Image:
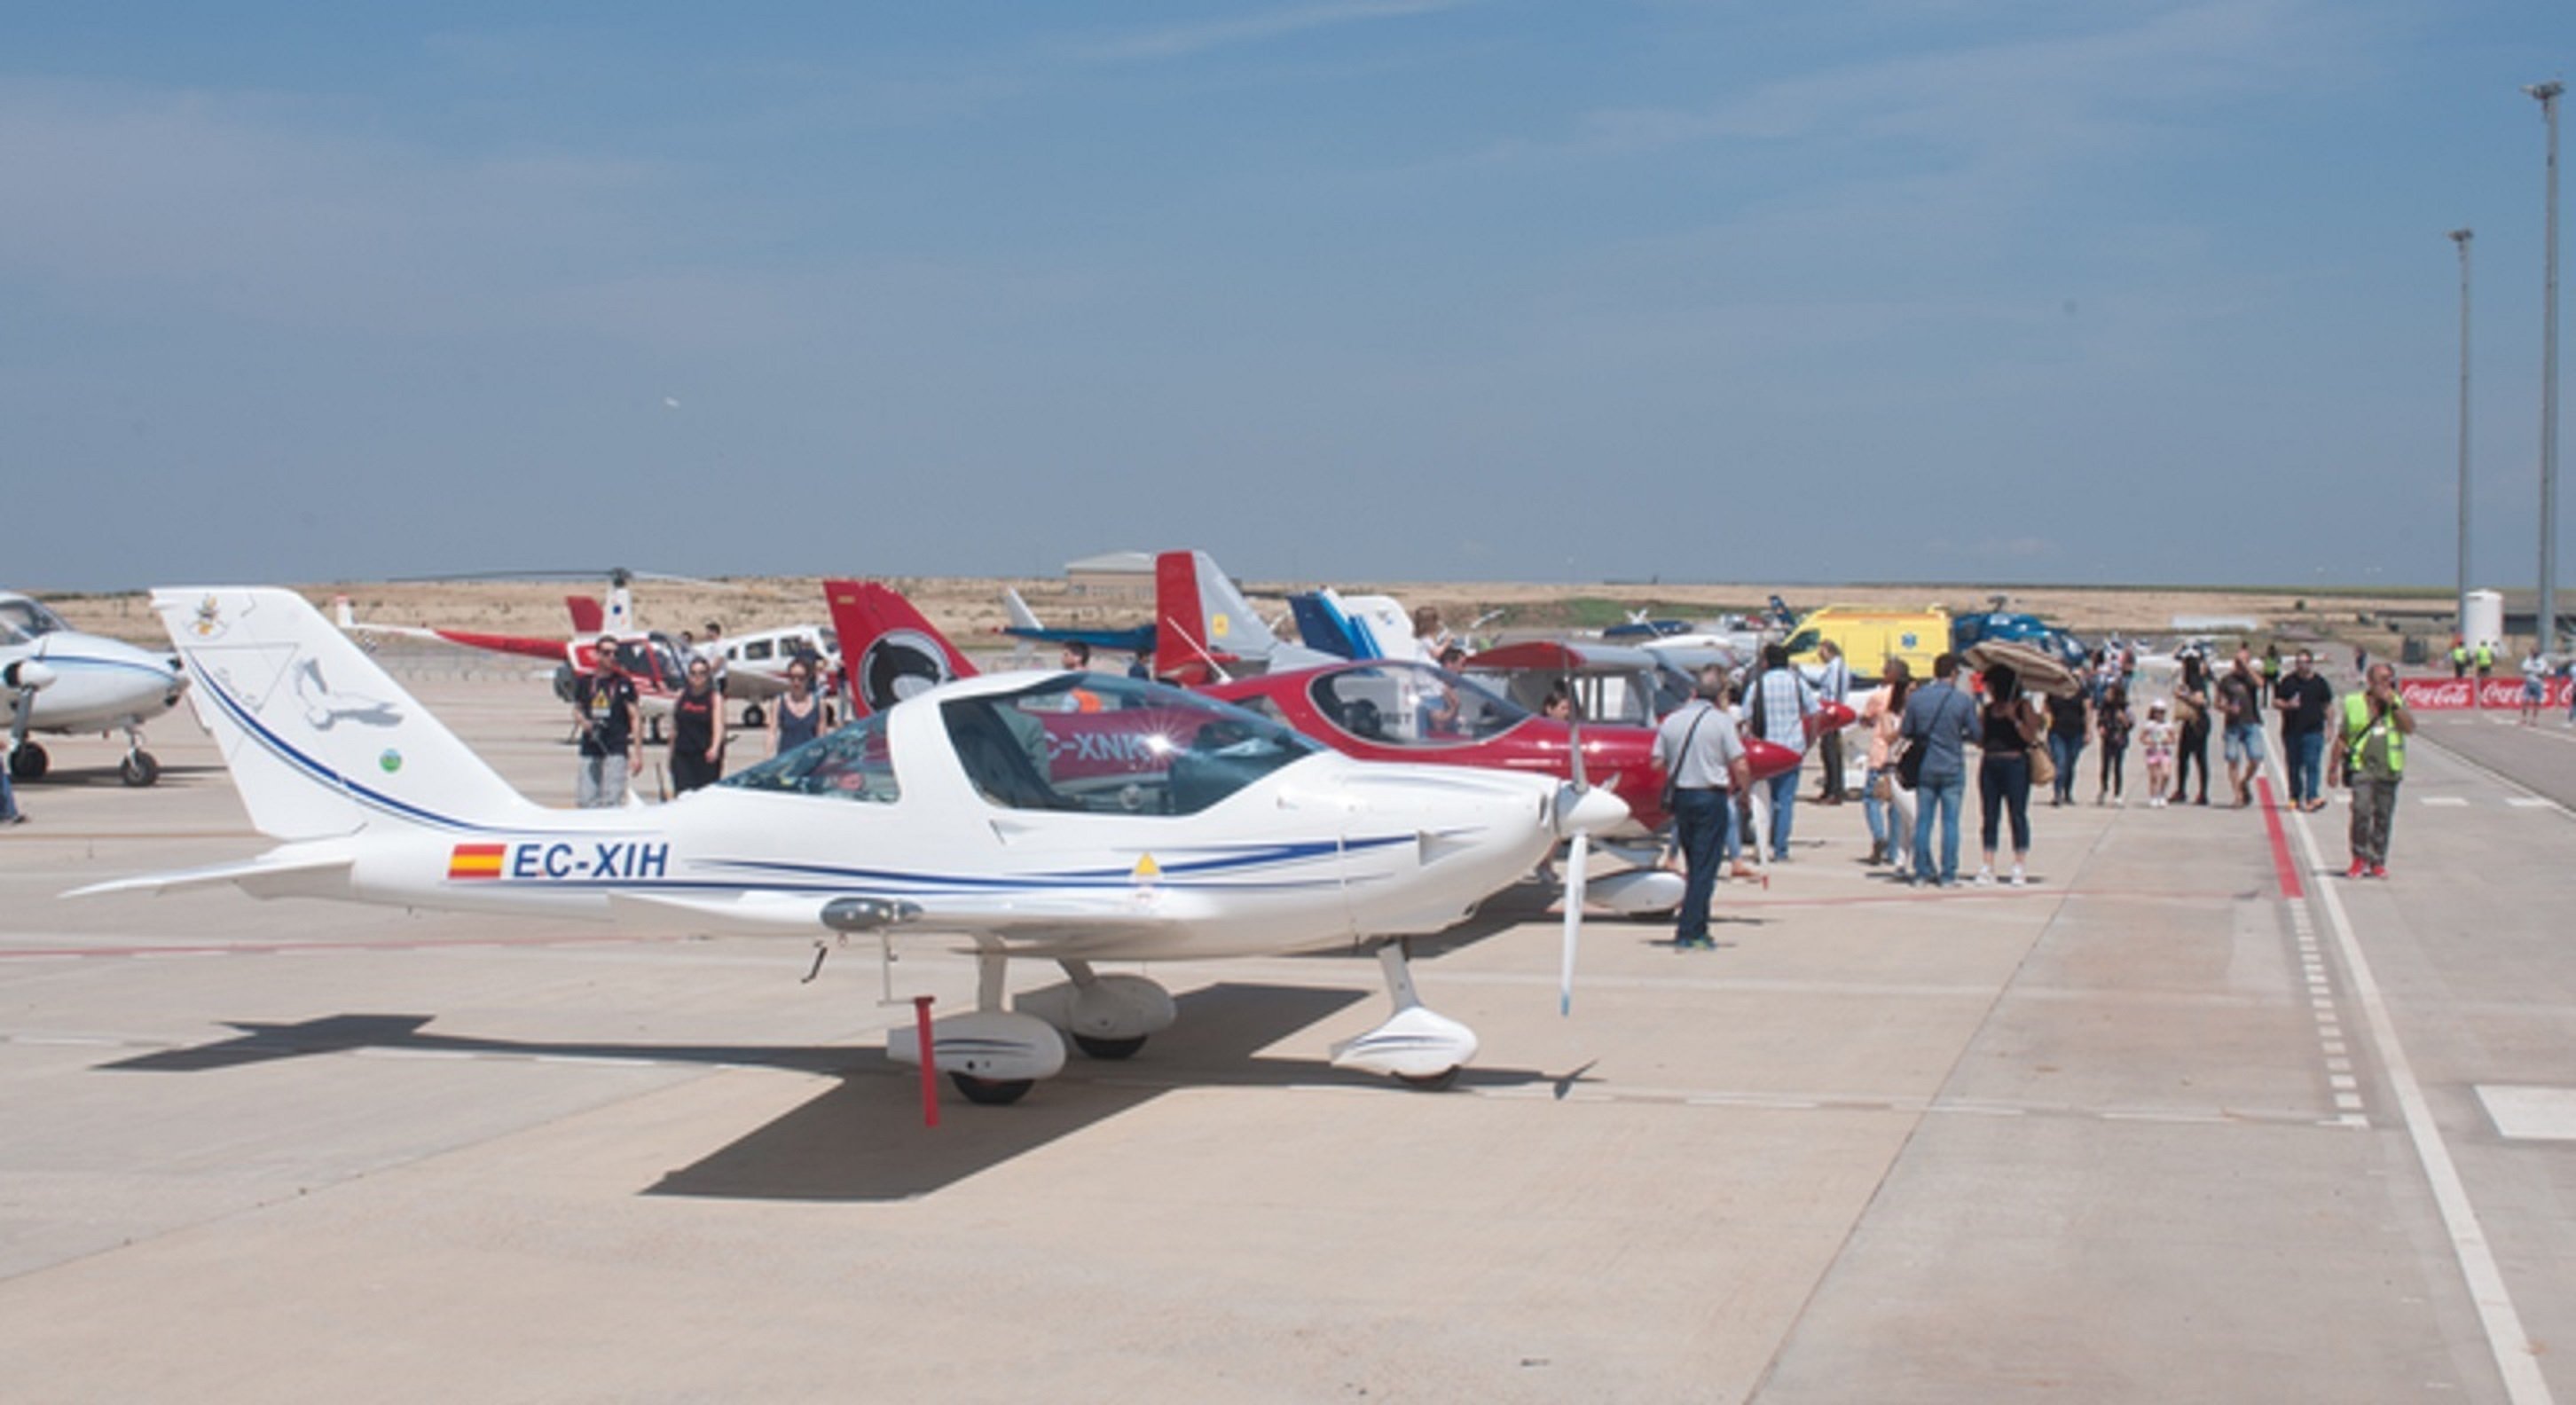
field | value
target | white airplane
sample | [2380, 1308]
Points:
[53, 678]
[1163, 826]
[756, 663]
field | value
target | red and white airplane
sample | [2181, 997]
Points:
[653, 661]
[1373, 709]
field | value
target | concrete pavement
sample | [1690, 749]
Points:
[2129, 1134]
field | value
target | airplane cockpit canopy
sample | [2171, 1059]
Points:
[848, 764]
[1412, 705]
[1110, 745]
[22, 620]
[655, 656]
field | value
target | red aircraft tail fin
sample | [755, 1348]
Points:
[1201, 621]
[587, 617]
[891, 652]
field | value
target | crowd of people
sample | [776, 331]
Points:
[1923, 741]
[608, 720]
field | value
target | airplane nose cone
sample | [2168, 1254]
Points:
[1591, 811]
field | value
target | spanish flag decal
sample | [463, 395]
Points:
[476, 860]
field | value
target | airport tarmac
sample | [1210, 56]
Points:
[2186, 1120]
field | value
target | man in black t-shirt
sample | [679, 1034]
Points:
[604, 706]
[2304, 700]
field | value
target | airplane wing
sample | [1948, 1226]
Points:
[1134, 639]
[1126, 919]
[1556, 656]
[551, 650]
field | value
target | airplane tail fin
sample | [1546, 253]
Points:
[1321, 624]
[320, 740]
[1200, 619]
[587, 616]
[891, 652]
[1017, 610]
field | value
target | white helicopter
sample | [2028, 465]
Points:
[53, 678]
[1163, 825]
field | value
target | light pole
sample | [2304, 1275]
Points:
[2548, 95]
[2462, 237]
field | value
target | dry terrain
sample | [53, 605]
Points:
[970, 607]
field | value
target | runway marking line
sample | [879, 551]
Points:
[2516, 1356]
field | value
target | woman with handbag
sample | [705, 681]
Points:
[1883, 712]
[2009, 727]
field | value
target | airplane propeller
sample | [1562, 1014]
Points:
[1580, 809]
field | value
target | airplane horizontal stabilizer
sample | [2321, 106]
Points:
[311, 876]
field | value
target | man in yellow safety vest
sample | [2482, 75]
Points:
[2372, 760]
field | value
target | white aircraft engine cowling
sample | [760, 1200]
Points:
[984, 1044]
[1106, 1007]
[1636, 891]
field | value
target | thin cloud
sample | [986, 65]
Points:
[1182, 41]
[2046, 95]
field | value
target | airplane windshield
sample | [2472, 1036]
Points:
[1109, 745]
[1401, 704]
[850, 764]
[656, 657]
[22, 620]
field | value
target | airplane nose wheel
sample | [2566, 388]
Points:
[991, 1092]
[29, 762]
[139, 769]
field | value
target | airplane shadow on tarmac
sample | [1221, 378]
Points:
[863, 1138]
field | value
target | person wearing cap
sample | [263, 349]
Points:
[604, 707]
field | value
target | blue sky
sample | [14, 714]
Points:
[1956, 290]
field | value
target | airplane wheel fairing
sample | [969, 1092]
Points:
[30, 763]
[139, 769]
[1440, 1082]
[1099, 1048]
[992, 1092]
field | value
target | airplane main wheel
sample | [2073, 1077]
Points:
[1430, 1082]
[752, 716]
[30, 763]
[1100, 1048]
[992, 1092]
[139, 768]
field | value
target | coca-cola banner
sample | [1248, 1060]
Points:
[2441, 694]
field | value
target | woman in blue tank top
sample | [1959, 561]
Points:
[801, 715]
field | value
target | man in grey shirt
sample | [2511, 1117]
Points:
[1833, 687]
[1703, 761]
[1942, 720]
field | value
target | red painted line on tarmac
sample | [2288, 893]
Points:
[2282, 864]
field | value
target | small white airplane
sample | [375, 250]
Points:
[1163, 826]
[53, 678]
[756, 663]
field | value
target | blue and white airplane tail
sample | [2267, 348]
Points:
[321, 742]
